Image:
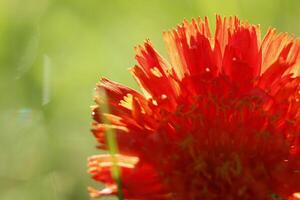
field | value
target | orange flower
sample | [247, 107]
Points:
[219, 120]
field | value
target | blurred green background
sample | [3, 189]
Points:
[52, 53]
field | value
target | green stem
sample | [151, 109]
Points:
[112, 146]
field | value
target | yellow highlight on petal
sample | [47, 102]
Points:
[110, 126]
[296, 195]
[127, 101]
[107, 160]
[108, 190]
[155, 71]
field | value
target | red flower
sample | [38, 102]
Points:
[221, 120]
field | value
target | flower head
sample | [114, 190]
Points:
[219, 120]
